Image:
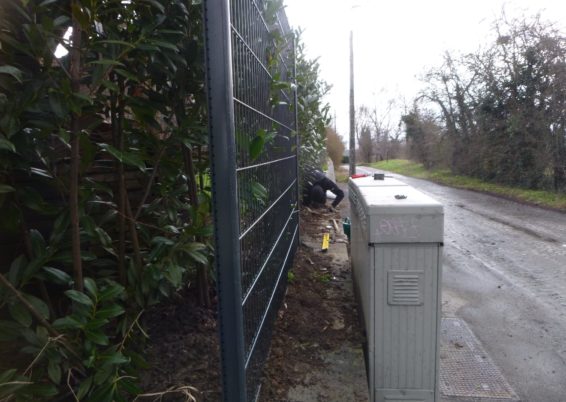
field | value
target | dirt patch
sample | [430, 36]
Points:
[317, 322]
[183, 351]
[317, 329]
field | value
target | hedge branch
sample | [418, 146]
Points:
[37, 315]
[52, 331]
[118, 138]
[75, 70]
[134, 234]
[150, 182]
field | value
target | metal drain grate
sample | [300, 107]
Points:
[465, 368]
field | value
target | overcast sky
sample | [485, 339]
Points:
[396, 41]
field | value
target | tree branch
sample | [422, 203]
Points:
[75, 154]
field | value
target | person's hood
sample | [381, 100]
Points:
[318, 175]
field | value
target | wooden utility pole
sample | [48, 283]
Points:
[352, 156]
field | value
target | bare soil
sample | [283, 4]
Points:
[318, 318]
[183, 352]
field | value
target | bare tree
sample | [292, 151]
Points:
[364, 135]
[503, 108]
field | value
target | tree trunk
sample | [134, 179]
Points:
[75, 71]
[117, 141]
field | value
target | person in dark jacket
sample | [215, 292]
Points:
[316, 185]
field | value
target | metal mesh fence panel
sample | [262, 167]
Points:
[253, 145]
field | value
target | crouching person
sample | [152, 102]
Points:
[316, 185]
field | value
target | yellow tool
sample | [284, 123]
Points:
[325, 241]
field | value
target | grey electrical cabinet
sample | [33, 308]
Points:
[370, 181]
[396, 249]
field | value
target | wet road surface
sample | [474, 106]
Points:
[505, 276]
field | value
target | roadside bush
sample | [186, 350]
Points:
[104, 211]
[502, 108]
[312, 110]
[104, 184]
[334, 147]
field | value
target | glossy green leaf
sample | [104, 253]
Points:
[196, 252]
[107, 62]
[111, 292]
[32, 269]
[174, 274]
[79, 297]
[128, 158]
[60, 227]
[42, 333]
[259, 192]
[166, 45]
[110, 85]
[97, 336]
[102, 374]
[91, 288]
[12, 71]
[33, 200]
[118, 42]
[37, 243]
[42, 390]
[57, 106]
[104, 237]
[81, 15]
[84, 387]
[104, 393]
[17, 269]
[54, 371]
[40, 172]
[110, 312]
[83, 97]
[95, 324]
[57, 276]
[21, 314]
[7, 145]
[155, 4]
[7, 375]
[4, 188]
[62, 19]
[10, 330]
[115, 358]
[47, 2]
[39, 305]
[88, 225]
[162, 240]
[68, 322]
[130, 386]
[256, 147]
[126, 74]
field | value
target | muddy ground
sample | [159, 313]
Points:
[316, 353]
[316, 331]
[183, 351]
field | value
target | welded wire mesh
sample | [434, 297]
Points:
[262, 54]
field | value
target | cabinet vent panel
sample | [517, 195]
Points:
[405, 288]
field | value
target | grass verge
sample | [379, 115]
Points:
[541, 198]
[341, 175]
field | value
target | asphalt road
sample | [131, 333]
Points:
[505, 275]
